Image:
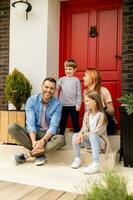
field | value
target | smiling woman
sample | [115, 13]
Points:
[92, 81]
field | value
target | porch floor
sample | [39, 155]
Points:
[56, 174]
[17, 191]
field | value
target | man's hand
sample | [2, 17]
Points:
[39, 144]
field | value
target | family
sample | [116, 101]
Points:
[46, 118]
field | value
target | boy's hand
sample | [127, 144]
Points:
[54, 76]
[77, 108]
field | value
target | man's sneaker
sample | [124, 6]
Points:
[91, 169]
[21, 158]
[76, 163]
[40, 160]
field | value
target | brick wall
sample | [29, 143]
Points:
[127, 52]
[4, 47]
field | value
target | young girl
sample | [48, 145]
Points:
[92, 134]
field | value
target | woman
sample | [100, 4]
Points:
[92, 80]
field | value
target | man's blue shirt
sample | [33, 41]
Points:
[33, 113]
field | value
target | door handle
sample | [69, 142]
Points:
[118, 56]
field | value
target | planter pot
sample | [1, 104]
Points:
[126, 127]
[7, 118]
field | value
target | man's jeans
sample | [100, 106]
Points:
[93, 141]
[21, 136]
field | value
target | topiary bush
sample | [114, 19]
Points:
[111, 187]
[17, 89]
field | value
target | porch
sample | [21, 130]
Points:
[15, 191]
[56, 175]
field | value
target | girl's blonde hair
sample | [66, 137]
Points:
[96, 97]
[94, 74]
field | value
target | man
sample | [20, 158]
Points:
[43, 113]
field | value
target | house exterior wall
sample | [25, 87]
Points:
[33, 44]
[53, 38]
[127, 49]
[28, 42]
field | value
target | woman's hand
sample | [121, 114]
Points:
[110, 108]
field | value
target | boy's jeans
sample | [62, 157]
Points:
[21, 136]
[93, 141]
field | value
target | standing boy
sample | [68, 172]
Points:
[70, 95]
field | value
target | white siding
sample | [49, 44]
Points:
[34, 43]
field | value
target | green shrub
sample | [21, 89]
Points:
[17, 89]
[127, 103]
[129, 197]
[111, 187]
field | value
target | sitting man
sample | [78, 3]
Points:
[43, 113]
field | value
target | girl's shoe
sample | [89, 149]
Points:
[76, 163]
[92, 168]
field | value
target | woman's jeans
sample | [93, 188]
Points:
[21, 136]
[92, 141]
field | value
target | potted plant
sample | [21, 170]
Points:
[126, 126]
[127, 103]
[17, 90]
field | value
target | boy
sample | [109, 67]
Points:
[70, 95]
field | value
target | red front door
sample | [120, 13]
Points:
[91, 34]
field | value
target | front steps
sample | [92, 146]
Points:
[56, 173]
[66, 156]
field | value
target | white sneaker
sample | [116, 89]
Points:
[76, 163]
[92, 168]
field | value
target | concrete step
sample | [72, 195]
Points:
[66, 155]
[114, 140]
